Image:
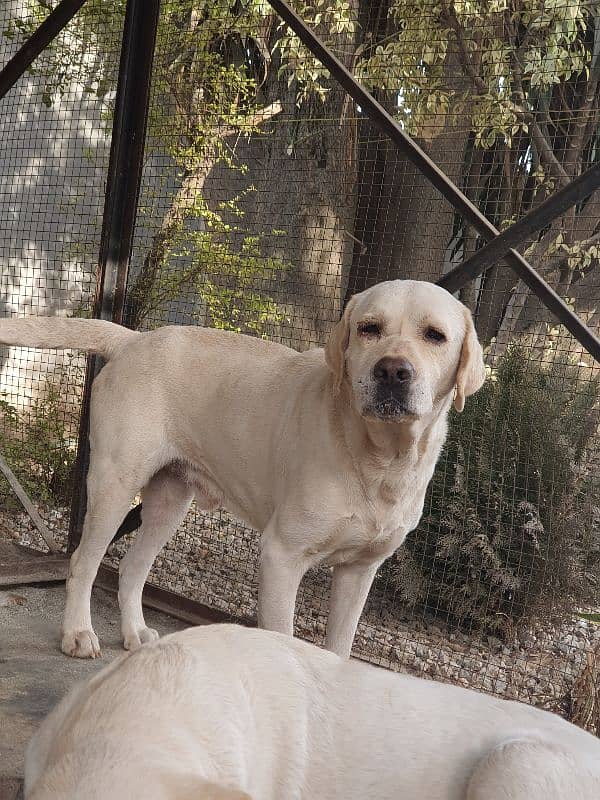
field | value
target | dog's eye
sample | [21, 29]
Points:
[434, 335]
[369, 329]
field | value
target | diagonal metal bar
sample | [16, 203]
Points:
[576, 191]
[38, 41]
[388, 125]
[555, 304]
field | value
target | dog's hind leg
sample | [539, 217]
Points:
[111, 489]
[166, 500]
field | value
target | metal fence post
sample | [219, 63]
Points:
[120, 207]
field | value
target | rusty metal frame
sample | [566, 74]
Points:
[532, 222]
[22, 565]
[175, 605]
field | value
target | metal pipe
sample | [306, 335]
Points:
[38, 41]
[175, 605]
[536, 219]
[120, 206]
[387, 125]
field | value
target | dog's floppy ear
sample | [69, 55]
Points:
[335, 349]
[471, 367]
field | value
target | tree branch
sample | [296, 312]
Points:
[181, 205]
[582, 118]
[544, 148]
[463, 52]
[560, 260]
[545, 151]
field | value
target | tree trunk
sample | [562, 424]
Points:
[304, 176]
[140, 295]
[403, 225]
[305, 180]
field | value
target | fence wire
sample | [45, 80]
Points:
[268, 198]
[55, 141]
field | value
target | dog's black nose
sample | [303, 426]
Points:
[393, 372]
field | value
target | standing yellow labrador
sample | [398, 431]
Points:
[226, 712]
[328, 453]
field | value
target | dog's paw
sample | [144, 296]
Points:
[81, 644]
[136, 638]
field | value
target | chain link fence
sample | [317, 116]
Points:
[268, 197]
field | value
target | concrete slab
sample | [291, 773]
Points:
[34, 674]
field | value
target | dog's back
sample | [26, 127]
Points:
[257, 712]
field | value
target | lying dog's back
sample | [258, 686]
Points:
[225, 708]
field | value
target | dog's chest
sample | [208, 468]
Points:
[379, 519]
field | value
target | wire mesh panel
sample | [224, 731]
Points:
[268, 198]
[55, 139]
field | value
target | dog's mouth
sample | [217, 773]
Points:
[391, 409]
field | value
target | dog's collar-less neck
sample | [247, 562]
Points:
[378, 450]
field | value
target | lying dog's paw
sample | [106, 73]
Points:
[136, 638]
[81, 644]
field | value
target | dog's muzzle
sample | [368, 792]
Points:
[393, 381]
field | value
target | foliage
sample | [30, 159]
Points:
[595, 618]
[505, 533]
[510, 55]
[78, 56]
[208, 89]
[37, 447]
[225, 279]
[204, 90]
[297, 62]
[521, 77]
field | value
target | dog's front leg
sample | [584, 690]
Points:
[279, 577]
[349, 589]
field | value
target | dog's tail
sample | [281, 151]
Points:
[58, 333]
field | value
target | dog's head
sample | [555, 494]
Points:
[404, 347]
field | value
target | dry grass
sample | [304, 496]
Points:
[584, 698]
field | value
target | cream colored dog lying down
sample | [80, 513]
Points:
[227, 712]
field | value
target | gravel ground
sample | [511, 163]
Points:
[213, 560]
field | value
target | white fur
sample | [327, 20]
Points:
[286, 441]
[214, 711]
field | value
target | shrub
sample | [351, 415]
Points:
[507, 522]
[37, 447]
